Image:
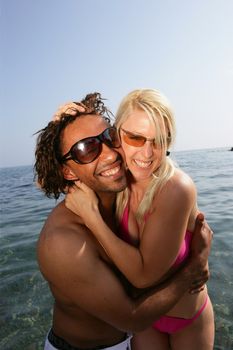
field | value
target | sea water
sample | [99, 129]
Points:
[25, 300]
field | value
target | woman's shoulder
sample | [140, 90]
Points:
[180, 178]
[179, 185]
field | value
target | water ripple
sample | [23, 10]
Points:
[26, 302]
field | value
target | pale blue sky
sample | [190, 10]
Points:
[53, 51]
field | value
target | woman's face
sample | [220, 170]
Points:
[142, 161]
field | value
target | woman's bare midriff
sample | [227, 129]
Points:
[189, 305]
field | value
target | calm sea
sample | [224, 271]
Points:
[25, 300]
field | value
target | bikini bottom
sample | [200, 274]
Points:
[170, 324]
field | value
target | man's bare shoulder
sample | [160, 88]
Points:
[64, 244]
[61, 224]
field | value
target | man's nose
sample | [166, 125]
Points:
[108, 153]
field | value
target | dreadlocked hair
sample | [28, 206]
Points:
[48, 166]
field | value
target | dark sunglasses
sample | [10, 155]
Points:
[87, 150]
[137, 140]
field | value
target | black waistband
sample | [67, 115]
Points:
[61, 344]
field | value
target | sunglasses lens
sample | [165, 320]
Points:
[133, 140]
[86, 151]
[110, 137]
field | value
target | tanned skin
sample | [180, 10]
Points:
[92, 306]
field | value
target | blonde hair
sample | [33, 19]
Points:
[160, 113]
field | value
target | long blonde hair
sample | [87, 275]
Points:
[160, 113]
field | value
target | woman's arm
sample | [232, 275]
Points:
[161, 238]
[76, 271]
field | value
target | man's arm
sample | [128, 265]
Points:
[79, 274]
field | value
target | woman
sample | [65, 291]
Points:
[156, 216]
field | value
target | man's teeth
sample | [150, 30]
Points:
[142, 164]
[111, 172]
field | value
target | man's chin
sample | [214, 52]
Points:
[115, 187]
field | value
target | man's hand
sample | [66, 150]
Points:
[200, 249]
[71, 108]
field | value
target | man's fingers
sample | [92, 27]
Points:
[197, 290]
[199, 224]
[205, 229]
[198, 286]
[200, 217]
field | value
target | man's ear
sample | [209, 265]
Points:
[69, 174]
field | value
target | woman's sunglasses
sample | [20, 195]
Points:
[87, 150]
[137, 140]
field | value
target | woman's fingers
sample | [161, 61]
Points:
[70, 108]
[82, 186]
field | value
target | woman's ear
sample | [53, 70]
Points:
[69, 174]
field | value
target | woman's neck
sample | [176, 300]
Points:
[137, 191]
[138, 187]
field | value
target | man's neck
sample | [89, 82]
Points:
[107, 204]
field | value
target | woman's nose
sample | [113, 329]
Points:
[148, 149]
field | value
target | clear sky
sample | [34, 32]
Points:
[54, 51]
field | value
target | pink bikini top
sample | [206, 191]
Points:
[184, 249]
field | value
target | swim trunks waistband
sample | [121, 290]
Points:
[60, 344]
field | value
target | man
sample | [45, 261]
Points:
[92, 309]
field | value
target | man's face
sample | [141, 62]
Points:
[106, 173]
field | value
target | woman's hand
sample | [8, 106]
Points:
[82, 201]
[71, 108]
